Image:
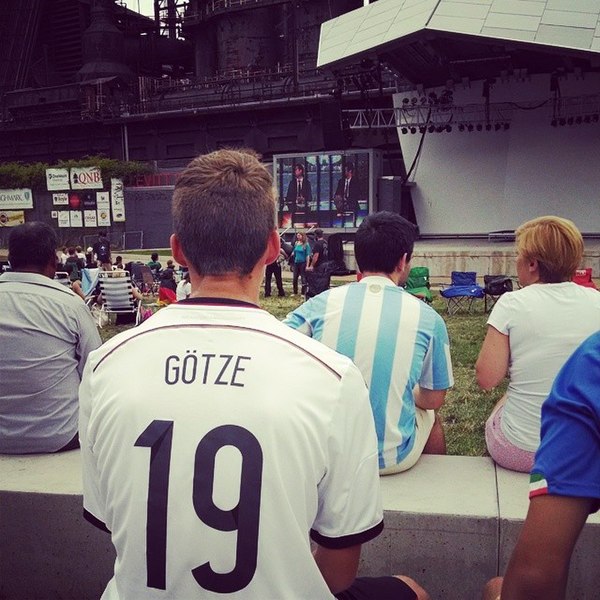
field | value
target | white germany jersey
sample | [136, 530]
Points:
[216, 441]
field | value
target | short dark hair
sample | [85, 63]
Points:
[381, 241]
[318, 232]
[299, 166]
[224, 212]
[154, 256]
[349, 167]
[32, 245]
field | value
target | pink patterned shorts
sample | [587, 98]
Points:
[504, 453]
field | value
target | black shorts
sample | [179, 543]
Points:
[377, 588]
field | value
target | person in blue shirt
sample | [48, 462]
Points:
[300, 256]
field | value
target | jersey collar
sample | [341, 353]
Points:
[218, 302]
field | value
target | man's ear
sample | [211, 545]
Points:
[177, 251]
[403, 264]
[273, 247]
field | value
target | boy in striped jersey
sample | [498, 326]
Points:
[565, 483]
[398, 342]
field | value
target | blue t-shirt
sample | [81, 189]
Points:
[301, 252]
[396, 341]
[567, 462]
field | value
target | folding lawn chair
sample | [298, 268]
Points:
[493, 287]
[62, 277]
[116, 289]
[462, 291]
[584, 277]
[418, 284]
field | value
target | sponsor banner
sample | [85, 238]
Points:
[58, 199]
[103, 218]
[76, 218]
[103, 200]
[16, 199]
[88, 200]
[11, 218]
[117, 200]
[57, 179]
[64, 218]
[90, 218]
[86, 178]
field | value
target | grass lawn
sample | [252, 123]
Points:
[467, 407]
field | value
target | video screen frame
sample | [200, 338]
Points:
[333, 190]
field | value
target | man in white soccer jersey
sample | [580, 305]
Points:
[399, 343]
[565, 483]
[211, 482]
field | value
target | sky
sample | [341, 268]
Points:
[146, 7]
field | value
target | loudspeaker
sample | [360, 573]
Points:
[331, 125]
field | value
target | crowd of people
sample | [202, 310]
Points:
[221, 445]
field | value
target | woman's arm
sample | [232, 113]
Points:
[492, 364]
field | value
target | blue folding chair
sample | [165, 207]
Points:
[462, 291]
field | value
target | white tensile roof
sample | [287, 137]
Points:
[568, 24]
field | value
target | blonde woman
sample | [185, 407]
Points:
[300, 254]
[531, 333]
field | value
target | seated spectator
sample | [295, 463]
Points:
[90, 261]
[118, 266]
[531, 333]
[398, 342]
[154, 265]
[63, 256]
[167, 277]
[184, 288]
[46, 334]
[73, 266]
[249, 470]
[565, 483]
[80, 253]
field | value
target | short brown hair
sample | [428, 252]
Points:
[555, 243]
[224, 211]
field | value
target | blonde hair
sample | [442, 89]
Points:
[224, 211]
[555, 243]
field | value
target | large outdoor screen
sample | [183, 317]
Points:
[328, 190]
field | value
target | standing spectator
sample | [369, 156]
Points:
[565, 483]
[531, 333]
[102, 251]
[62, 259]
[46, 333]
[319, 251]
[154, 265]
[398, 342]
[80, 253]
[274, 270]
[184, 288]
[212, 484]
[300, 255]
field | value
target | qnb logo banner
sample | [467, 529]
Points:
[86, 178]
[18, 199]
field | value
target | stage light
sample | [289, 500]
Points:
[479, 126]
[595, 117]
[554, 122]
[562, 122]
[578, 120]
[422, 129]
[405, 100]
[448, 128]
[404, 130]
[587, 119]
[461, 127]
[431, 129]
[439, 129]
[413, 130]
[497, 126]
[488, 127]
[506, 126]
[470, 127]
[570, 121]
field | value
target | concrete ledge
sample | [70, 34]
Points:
[451, 522]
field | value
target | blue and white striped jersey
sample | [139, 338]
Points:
[397, 342]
